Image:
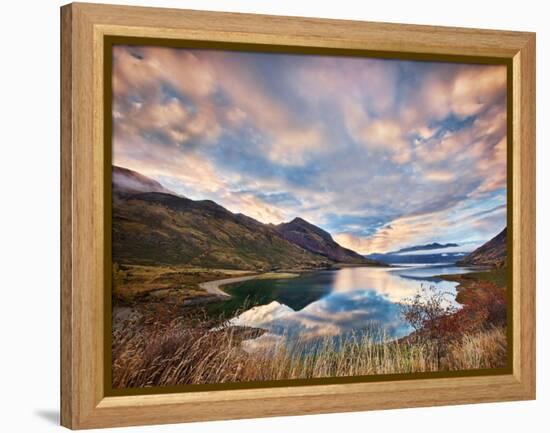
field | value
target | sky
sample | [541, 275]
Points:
[381, 153]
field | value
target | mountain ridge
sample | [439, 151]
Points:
[430, 246]
[161, 227]
[319, 241]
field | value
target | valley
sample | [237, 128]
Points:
[192, 272]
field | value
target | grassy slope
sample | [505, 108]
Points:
[175, 284]
[164, 229]
[169, 282]
[491, 253]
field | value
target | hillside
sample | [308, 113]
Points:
[152, 225]
[318, 241]
[159, 228]
[492, 253]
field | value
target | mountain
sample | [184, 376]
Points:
[160, 228]
[316, 240]
[435, 258]
[432, 246]
[129, 181]
[151, 225]
[492, 253]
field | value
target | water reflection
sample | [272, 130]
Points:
[349, 300]
[395, 283]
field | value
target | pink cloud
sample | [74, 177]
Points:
[334, 108]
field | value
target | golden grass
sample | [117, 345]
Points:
[174, 354]
[157, 346]
[174, 284]
[131, 281]
[482, 350]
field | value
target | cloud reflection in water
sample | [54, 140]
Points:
[361, 300]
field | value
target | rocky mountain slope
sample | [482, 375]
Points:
[492, 253]
[318, 241]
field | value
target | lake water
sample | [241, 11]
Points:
[334, 303]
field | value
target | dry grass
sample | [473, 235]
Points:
[182, 282]
[160, 347]
[482, 350]
[181, 352]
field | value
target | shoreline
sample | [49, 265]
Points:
[214, 287]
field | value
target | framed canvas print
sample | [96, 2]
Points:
[272, 216]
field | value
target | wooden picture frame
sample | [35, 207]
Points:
[84, 28]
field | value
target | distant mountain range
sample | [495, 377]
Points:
[431, 253]
[421, 254]
[492, 253]
[432, 246]
[397, 259]
[152, 225]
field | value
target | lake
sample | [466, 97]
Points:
[333, 303]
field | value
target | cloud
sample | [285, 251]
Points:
[186, 96]
[398, 233]
[337, 314]
[253, 206]
[378, 152]
[468, 222]
[262, 315]
[476, 88]
[439, 176]
[153, 101]
[191, 175]
[380, 134]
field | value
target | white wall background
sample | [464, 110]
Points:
[29, 215]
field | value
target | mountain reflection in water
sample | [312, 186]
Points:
[340, 303]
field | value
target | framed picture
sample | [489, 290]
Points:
[270, 216]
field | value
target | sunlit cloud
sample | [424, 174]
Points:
[399, 232]
[333, 315]
[381, 153]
